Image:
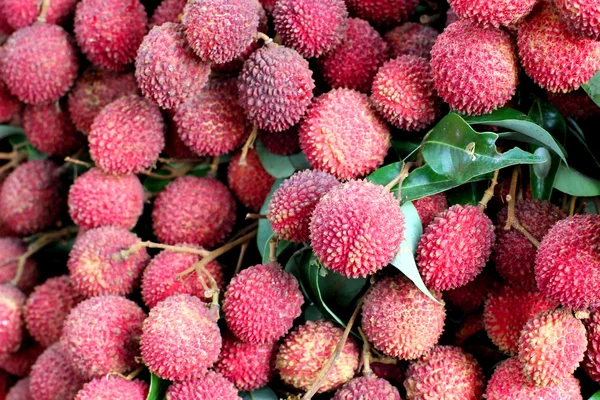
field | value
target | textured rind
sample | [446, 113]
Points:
[513, 253]
[304, 352]
[404, 95]
[355, 61]
[509, 382]
[212, 385]
[47, 307]
[248, 366]
[250, 183]
[113, 387]
[166, 69]
[386, 12]
[455, 247]
[20, 391]
[11, 248]
[576, 104]
[94, 90]
[31, 197]
[53, 376]
[212, 123]
[127, 136]
[356, 228]
[311, 28]
[507, 311]
[446, 369]
[341, 134]
[472, 295]
[9, 104]
[220, 30]
[49, 129]
[20, 362]
[101, 335]
[367, 388]
[293, 203]
[174, 146]
[552, 56]
[284, 143]
[429, 207]
[493, 12]
[591, 363]
[168, 11]
[475, 69]
[180, 354]
[193, 210]
[400, 320]
[411, 39]
[11, 329]
[551, 346]
[261, 303]
[93, 268]
[567, 264]
[582, 17]
[21, 13]
[275, 87]
[40, 63]
[160, 281]
[109, 32]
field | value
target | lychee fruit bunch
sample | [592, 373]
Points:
[53, 376]
[494, 12]
[411, 39]
[251, 183]
[386, 12]
[211, 385]
[365, 387]
[113, 387]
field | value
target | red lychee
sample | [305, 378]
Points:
[53, 376]
[20, 391]
[250, 183]
[211, 385]
[582, 17]
[429, 207]
[386, 12]
[472, 295]
[365, 387]
[283, 143]
[11, 328]
[113, 387]
[20, 362]
[21, 13]
[168, 11]
[9, 104]
[10, 249]
[493, 12]
[411, 39]
[576, 104]
[591, 363]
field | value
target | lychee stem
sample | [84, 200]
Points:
[572, 205]
[263, 37]
[385, 360]
[43, 11]
[214, 167]
[174, 172]
[273, 243]
[125, 254]
[255, 216]
[240, 260]
[201, 270]
[243, 231]
[71, 160]
[128, 377]
[489, 193]
[15, 157]
[400, 178]
[248, 145]
[366, 354]
[511, 220]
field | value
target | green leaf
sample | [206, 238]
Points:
[595, 396]
[405, 149]
[158, 387]
[313, 272]
[299, 161]
[467, 194]
[592, 88]
[9, 130]
[32, 152]
[265, 393]
[265, 232]
[385, 175]
[276, 165]
[519, 122]
[574, 129]
[573, 182]
[312, 313]
[453, 149]
[592, 208]
[296, 265]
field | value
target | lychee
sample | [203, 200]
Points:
[211, 385]
[20, 362]
[168, 11]
[283, 143]
[174, 146]
[113, 387]
[250, 183]
[127, 136]
[193, 210]
[341, 134]
[180, 354]
[11, 248]
[365, 387]
[21, 13]
[411, 39]
[471, 296]
[20, 391]
[582, 17]
[494, 12]
[386, 12]
[576, 104]
[591, 363]
[305, 351]
[429, 207]
[9, 104]
[11, 328]
[53, 376]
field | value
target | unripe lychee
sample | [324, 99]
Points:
[354, 62]
[167, 70]
[20, 391]
[168, 11]
[386, 12]
[193, 210]
[591, 363]
[250, 183]
[261, 303]
[20, 362]
[305, 351]
[211, 385]
[411, 39]
[53, 376]
[493, 12]
[10, 249]
[11, 328]
[174, 353]
[356, 229]
[365, 387]
[429, 207]
[127, 136]
[113, 387]
[582, 17]
[455, 247]
[283, 143]
[101, 335]
[341, 134]
[109, 32]
[471, 296]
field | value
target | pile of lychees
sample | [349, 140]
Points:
[150, 140]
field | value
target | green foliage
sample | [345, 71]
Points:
[592, 88]
[595, 396]
[573, 182]
[158, 387]
[9, 130]
[265, 393]
[280, 166]
[265, 232]
[19, 139]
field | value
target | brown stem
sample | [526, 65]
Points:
[214, 167]
[489, 193]
[582, 206]
[366, 354]
[201, 270]
[400, 178]
[125, 254]
[14, 160]
[511, 220]
[263, 37]
[572, 205]
[273, 243]
[175, 172]
[243, 231]
[255, 216]
[384, 360]
[240, 260]
[43, 11]
[248, 145]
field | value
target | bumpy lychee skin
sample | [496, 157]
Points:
[507, 311]
[109, 32]
[167, 70]
[22, 13]
[174, 146]
[429, 207]
[211, 385]
[509, 382]
[341, 134]
[10, 248]
[261, 303]
[101, 335]
[212, 123]
[411, 39]
[275, 87]
[168, 11]
[248, 366]
[284, 143]
[95, 266]
[193, 210]
[514, 254]
[356, 229]
[20, 362]
[113, 387]
[576, 104]
[555, 58]
[305, 351]
[471, 296]
[94, 90]
[11, 329]
[455, 247]
[311, 28]
[493, 13]
[180, 354]
[581, 17]
[20, 391]
[160, 277]
[9, 104]
[551, 346]
[40, 63]
[250, 183]
[591, 363]
[47, 307]
[220, 30]
[367, 388]
[387, 12]
[354, 62]
[31, 197]
[53, 376]
[403, 93]
[568, 261]
[127, 136]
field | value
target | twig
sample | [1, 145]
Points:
[243, 231]
[255, 216]
[511, 220]
[273, 243]
[175, 172]
[400, 178]
[248, 145]
[43, 11]
[201, 270]
[263, 37]
[125, 254]
[366, 354]
[71, 160]
[489, 193]
[15, 157]
[214, 167]
[572, 205]
[240, 260]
